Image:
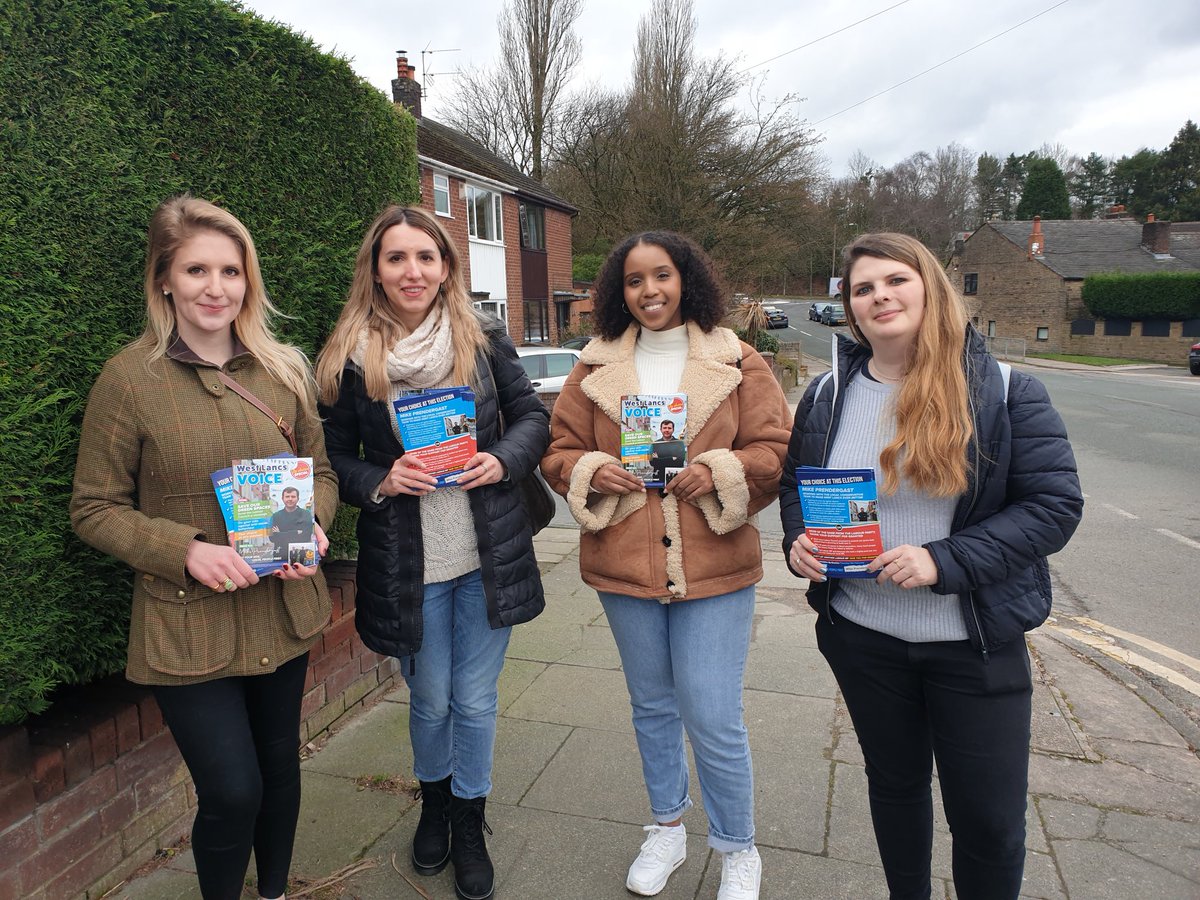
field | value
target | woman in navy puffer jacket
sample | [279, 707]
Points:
[977, 486]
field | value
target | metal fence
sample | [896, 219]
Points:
[1006, 348]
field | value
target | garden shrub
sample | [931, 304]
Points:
[106, 108]
[1153, 295]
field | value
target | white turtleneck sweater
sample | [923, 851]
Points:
[660, 357]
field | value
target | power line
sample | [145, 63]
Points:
[943, 62]
[823, 37]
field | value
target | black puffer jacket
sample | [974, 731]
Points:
[391, 558]
[1023, 500]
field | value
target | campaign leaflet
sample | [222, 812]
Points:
[271, 510]
[654, 436]
[841, 517]
[438, 427]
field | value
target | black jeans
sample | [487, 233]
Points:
[240, 738]
[911, 702]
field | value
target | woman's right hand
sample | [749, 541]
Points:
[214, 564]
[802, 558]
[407, 476]
[613, 479]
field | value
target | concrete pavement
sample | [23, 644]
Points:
[1114, 796]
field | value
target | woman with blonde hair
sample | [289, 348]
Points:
[977, 487]
[224, 651]
[443, 574]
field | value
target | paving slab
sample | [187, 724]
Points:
[1102, 871]
[339, 822]
[577, 695]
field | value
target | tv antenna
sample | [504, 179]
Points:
[426, 74]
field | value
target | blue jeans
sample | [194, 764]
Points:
[452, 692]
[683, 666]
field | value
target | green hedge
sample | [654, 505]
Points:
[107, 107]
[1162, 295]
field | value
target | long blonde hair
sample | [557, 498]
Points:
[367, 307]
[933, 419]
[177, 220]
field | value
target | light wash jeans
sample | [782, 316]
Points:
[683, 665]
[453, 698]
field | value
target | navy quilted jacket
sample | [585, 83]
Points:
[391, 558]
[1023, 500]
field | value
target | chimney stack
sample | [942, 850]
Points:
[1037, 241]
[1156, 236]
[406, 90]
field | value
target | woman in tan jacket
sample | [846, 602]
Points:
[676, 567]
[225, 651]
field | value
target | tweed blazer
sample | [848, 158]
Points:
[649, 544]
[153, 433]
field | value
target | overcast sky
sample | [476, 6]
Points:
[1109, 76]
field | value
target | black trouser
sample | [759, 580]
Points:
[240, 738]
[911, 702]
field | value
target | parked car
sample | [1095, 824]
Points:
[548, 367]
[814, 311]
[1194, 359]
[577, 343]
[833, 314]
[776, 317]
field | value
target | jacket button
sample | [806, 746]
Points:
[666, 541]
[670, 584]
[181, 594]
[216, 387]
[265, 661]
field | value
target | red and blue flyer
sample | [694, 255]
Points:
[438, 427]
[269, 503]
[654, 436]
[841, 517]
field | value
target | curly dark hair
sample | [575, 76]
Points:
[703, 297]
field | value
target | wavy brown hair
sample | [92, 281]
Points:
[702, 299]
[367, 307]
[933, 419]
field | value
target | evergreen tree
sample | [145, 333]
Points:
[1177, 177]
[1045, 192]
[1134, 179]
[1014, 172]
[1091, 185]
[989, 187]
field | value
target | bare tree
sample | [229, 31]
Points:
[512, 106]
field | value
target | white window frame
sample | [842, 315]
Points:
[441, 186]
[496, 211]
[497, 308]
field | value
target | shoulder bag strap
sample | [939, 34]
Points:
[284, 428]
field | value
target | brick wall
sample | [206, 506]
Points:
[456, 222]
[1021, 295]
[92, 788]
[558, 264]
[512, 268]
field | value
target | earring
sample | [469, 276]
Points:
[166, 293]
[625, 309]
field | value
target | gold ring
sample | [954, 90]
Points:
[228, 584]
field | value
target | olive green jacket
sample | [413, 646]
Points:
[152, 435]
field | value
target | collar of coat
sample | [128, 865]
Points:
[710, 374]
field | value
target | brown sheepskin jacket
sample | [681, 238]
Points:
[649, 544]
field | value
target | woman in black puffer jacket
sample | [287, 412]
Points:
[977, 485]
[443, 574]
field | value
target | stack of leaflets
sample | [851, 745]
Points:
[438, 427]
[841, 517]
[268, 509]
[654, 436]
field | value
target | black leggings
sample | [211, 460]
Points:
[911, 702]
[240, 738]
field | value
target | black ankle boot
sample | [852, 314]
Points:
[474, 877]
[431, 843]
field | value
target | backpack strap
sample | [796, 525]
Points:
[1005, 376]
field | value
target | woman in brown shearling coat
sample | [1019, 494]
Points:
[675, 567]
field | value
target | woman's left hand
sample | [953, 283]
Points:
[481, 469]
[692, 483]
[906, 566]
[294, 572]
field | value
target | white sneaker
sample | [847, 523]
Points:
[740, 874]
[662, 853]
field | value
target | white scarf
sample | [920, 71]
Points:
[421, 359]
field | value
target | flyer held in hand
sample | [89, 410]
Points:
[841, 517]
[438, 427]
[268, 509]
[654, 436]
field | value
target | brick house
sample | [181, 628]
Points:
[513, 232]
[1024, 281]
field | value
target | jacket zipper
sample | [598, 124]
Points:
[974, 499]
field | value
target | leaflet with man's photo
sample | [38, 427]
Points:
[841, 518]
[438, 427]
[654, 436]
[271, 511]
